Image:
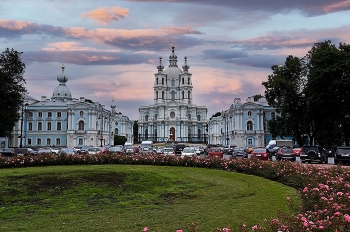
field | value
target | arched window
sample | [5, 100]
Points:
[162, 81]
[163, 95]
[49, 114]
[188, 80]
[81, 113]
[189, 94]
[249, 125]
[116, 131]
[183, 80]
[58, 141]
[81, 125]
[146, 117]
[157, 80]
[172, 82]
[48, 141]
[173, 95]
[189, 116]
[183, 95]
[30, 126]
[155, 116]
[249, 113]
[40, 126]
[198, 117]
[156, 94]
[59, 126]
[49, 126]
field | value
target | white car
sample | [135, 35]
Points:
[168, 151]
[93, 150]
[188, 151]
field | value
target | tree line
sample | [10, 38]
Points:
[311, 95]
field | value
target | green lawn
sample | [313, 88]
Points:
[129, 198]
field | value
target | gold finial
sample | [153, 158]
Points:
[62, 67]
[281, 66]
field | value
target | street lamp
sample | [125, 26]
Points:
[24, 108]
[226, 130]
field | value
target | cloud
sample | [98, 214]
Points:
[106, 15]
[310, 7]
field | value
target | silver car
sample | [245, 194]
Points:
[168, 151]
[188, 151]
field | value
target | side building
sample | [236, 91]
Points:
[173, 117]
[243, 124]
[64, 121]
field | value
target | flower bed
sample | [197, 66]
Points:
[325, 191]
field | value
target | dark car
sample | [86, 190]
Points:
[24, 151]
[239, 153]
[313, 153]
[7, 151]
[342, 155]
[285, 153]
[178, 148]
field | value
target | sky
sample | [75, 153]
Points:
[110, 49]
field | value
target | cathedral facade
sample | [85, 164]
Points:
[173, 117]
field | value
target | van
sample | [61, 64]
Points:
[147, 144]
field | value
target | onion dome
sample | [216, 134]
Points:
[185, 67]
[160, 67]
[62, 92]
[173, 71]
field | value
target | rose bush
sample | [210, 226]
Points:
[325, 191]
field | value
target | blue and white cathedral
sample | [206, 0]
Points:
[173, 116]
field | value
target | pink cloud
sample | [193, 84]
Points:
[106, 15]
[334, 7]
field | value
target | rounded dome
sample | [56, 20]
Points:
[62, 91]
[173, 72]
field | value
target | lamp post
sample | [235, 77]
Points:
[226, 117]
[24, 109]
[101, 127]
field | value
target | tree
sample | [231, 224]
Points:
[324, 93]
[119, 140]
[12, 89]
[135, 129]
[215, 115]
[283, 91]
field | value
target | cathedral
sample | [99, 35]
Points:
[173, 117]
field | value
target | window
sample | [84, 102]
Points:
[59, 126]
[40, 126]
[189, 94]
[199, 133]
[250, 142]
[163, 95]
[48, 141]
[81, 125]
[265, 126]
[80, 141]
[30, 126]
[198, 117]
[249, 113]
[173, 95]
[172, 82]
[189, 117]
[38, 142]
[58, 141]
[188, 80]
[29, 141]
[156, 94]
[40, 114]
[49, 114]
[155, 116]
[59, 114]
[30, 114]
[249, 125]
[116, 131]
[162, 81]
[146, 117]
[183, 80]
[157, 80]
[67, 126]
[81, 113]
[183, 95]
[172, 114]
[49, 126]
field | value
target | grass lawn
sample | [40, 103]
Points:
[129, 198]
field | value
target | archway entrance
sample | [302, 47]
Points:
[172, 134]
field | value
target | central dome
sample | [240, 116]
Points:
[173, 70]
[62, 92]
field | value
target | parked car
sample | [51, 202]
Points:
[94, 150]
[146, 151]
[331, 151]
[44, 151]
[178, 148]
[216, 152]
[159, 150]
[313, 153]
[297, 151]
[55, 150]
[188, 151]
[116, 149]
[286, 153]
[239, 152]
[84, 150]
[23, 151]
[206, 150]
[168, 151]
[129, 148]
[249, 150]
[199, 150]
[67, 151]
[342, 155]
[7, 152]
[260, 153]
